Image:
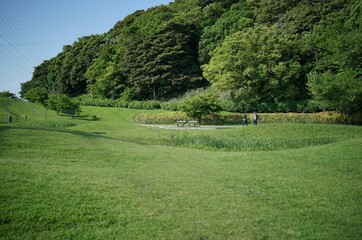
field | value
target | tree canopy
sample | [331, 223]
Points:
[259, 50]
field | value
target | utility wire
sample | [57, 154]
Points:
[15, 42]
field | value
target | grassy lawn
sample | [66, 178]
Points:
[113, 179]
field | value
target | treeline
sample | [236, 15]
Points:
[253, 52]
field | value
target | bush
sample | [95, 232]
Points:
[304, 106]
[172, 105]
[144, 105]
[162, 118]
[198, 106]
[236, 118]
[122, 104]
[62, 103]
[87, 100]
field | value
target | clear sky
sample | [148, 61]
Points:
[32, 31]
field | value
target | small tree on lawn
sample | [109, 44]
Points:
[198, 106]
[62, 103]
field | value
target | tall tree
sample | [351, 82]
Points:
[39, 78]
[236, 19]
[165, 64]
[336, 45]
[260, 64]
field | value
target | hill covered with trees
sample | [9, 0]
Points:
[250, 51]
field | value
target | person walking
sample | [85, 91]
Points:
[255, 120]
[10, 118]
[245, 121]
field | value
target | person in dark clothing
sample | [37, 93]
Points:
[10, 118]
[245, 121]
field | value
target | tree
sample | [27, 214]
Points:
[165, 64]
[7, 94]
[335, 43]
[236, 19]
[37, 95]
[259, 64]
[62, 103]
[74, 63]
[39, 78]
[198, 106]
[104, 78]
[341, 91]
[269, 11]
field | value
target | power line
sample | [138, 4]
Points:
[19, 39]
[11, 63]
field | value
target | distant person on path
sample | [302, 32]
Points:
[245, 121]
[10, 118]
[255, 119]
[25, 117]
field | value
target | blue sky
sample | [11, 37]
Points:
[36, 30]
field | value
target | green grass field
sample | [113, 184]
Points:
[64, 178]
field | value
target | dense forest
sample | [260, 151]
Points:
[250, 51]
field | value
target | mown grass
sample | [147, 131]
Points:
[72, 183]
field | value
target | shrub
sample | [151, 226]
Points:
[198, 106]
[122, 103]
[144, 105]
[87, 100]
[236, 118]
[172, 105]
[151, 105]
[162, 118]
[64, 104]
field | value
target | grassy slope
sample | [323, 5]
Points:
[71, 183]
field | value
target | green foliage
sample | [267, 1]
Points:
[236, 19]
[341, 91]
[128, 94]
[62, 103]
[7, 94]
[65, 72]
[39, 78]
[165, 64]
[161, 118]
[171, 105]
[104, 78]
[144, 105]
[37, 94]
[259, 64]
[262, 51]
[225, 118]
[87, 100]
[336, 78]
[304, 106]
[198, 106]
[268, 11]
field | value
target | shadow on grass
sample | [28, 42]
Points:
[90, 135]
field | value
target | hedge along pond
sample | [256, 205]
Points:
[225, 118]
